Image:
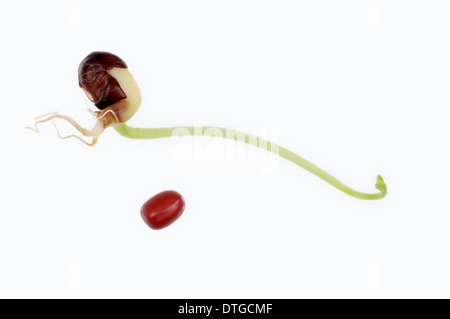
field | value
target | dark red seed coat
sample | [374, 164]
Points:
[162, 209]
[93, 76]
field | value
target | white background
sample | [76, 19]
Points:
[357, 87]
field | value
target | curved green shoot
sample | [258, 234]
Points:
[150, 133]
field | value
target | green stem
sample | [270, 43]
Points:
[148, 133]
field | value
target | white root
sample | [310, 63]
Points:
[94, 133]
[109, 111]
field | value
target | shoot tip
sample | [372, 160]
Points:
[381, 185]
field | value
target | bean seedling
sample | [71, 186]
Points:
[105, 79]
